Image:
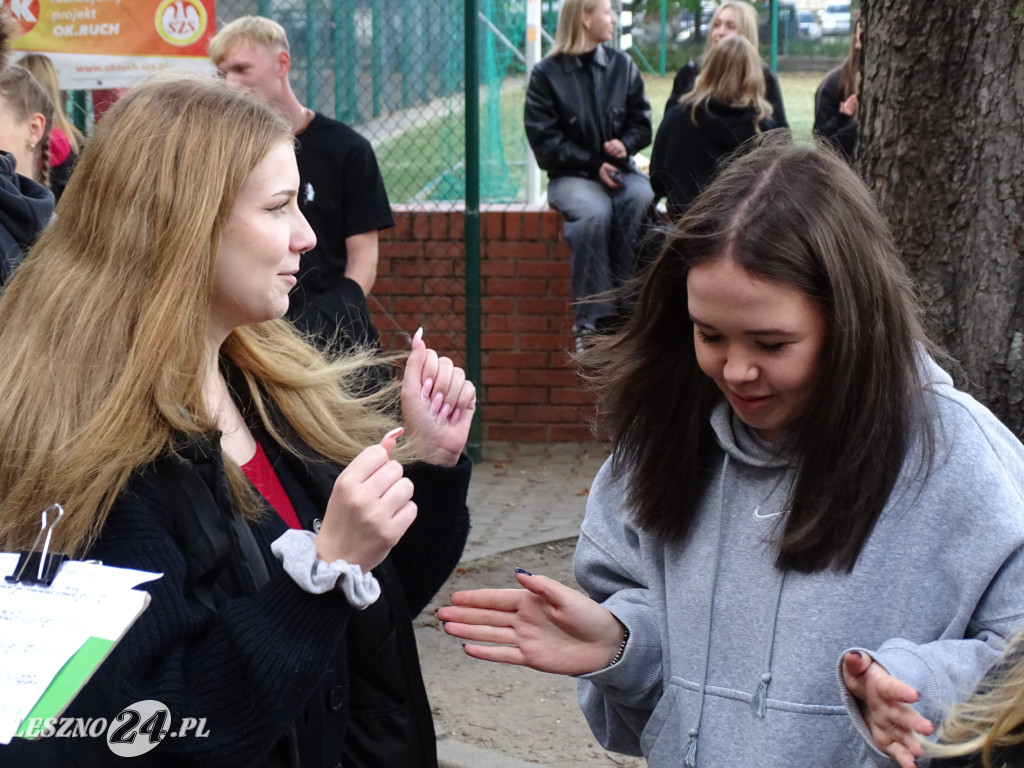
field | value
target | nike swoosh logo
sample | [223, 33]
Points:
[759, 516]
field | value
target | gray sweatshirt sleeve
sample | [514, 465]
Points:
[618, 701]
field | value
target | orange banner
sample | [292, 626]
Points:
[111, 43]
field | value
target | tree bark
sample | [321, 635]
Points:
[942, 144]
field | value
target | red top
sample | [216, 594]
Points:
[263, 476]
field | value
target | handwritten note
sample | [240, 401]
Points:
[41, 628]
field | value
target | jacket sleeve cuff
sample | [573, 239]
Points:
[297, 552]
[639, 667]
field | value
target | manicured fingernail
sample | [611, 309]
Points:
[393, 433]
[418, 335]
[857, 654]
[444, 413]
[455, 416]
[427, 386]
[435, 404]
[524, 571]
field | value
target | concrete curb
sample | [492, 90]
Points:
[456, 754]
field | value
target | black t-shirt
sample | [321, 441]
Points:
[341, 193]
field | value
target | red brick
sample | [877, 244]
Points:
[499, 414]
[420, 225]
[421, 268]
[401, 249]
[557, 378]
[571, 396]
[444, 250]
[549, 414]
[444, 286]
[502, 341]
[398, 286]
[490, 225]
[569, 433]
[497, 268]
[438, 225]
[501, 286]
[457, 226]
[494, 305]
[551, 225]
[531, 225]
[531, 324]
[521, 433]
[550, 342]
[403, 226]
[549, 307]
[513, 225]
[518, 395]
[414, 305]
[498, 377]
[553, 268]
[516, 359]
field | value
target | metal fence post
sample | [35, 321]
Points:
[472, 214]
[533, 27]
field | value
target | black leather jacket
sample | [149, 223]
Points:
[566, 131]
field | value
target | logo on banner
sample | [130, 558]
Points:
[26, 13]
[181, 22]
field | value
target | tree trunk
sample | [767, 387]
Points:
[942, 145]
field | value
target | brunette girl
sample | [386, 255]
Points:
[806, 542]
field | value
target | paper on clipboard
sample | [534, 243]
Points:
[78, 618]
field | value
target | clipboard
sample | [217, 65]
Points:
[59, 619]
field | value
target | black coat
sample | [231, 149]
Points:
[686, 157]
[686, 78]
[831, 125]
[284, 677]
[572, 109]
[25, 208]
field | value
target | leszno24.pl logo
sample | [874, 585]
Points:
[133, 731]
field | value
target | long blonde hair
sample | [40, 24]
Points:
[570, 36]
[45, 73]
[732, 75]
[104, 324]
[992, 719]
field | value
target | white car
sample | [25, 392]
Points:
[835, 19]
[808, 25]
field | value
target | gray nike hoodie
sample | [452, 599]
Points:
[732, 663]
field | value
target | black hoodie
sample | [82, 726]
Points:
[686, 156]
[25, 208]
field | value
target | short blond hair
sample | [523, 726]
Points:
[256, 30]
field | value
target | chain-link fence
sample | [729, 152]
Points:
[394, 71]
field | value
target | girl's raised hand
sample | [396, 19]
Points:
[369, 510]
[885, 705]
[437, 403]
[547, 626]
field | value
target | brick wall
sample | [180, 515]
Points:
[529, 389]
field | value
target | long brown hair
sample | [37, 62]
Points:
[104, 324]
[801, 218]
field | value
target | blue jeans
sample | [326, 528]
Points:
[602, 226]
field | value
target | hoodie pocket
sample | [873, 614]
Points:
[667, 718]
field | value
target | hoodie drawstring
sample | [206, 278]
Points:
[690, 754]
[759, 702]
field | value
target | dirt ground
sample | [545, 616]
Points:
[521, 713]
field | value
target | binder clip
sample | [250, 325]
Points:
[40, 566]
